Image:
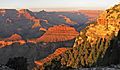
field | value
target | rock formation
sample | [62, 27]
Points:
[43, 29]
[14, 37]
[58, 33]
[10, 40]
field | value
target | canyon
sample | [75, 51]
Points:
[27, 36]
[96, 45]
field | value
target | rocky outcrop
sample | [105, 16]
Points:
[92, 43]
[7, 43]
[58, 33]
[15, 38]
[43, 29]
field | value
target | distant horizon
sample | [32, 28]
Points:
[62, 9]
[53, 5]
[53, 9]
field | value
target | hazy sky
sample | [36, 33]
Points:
[83, 4]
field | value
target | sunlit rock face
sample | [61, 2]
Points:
[15, 38]
[43, 29]
[92, 44]
[58, 33]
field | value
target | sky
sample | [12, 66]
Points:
[58, 4]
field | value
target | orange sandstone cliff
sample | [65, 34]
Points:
[57, 34]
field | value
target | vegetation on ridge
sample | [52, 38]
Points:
[92, 42]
